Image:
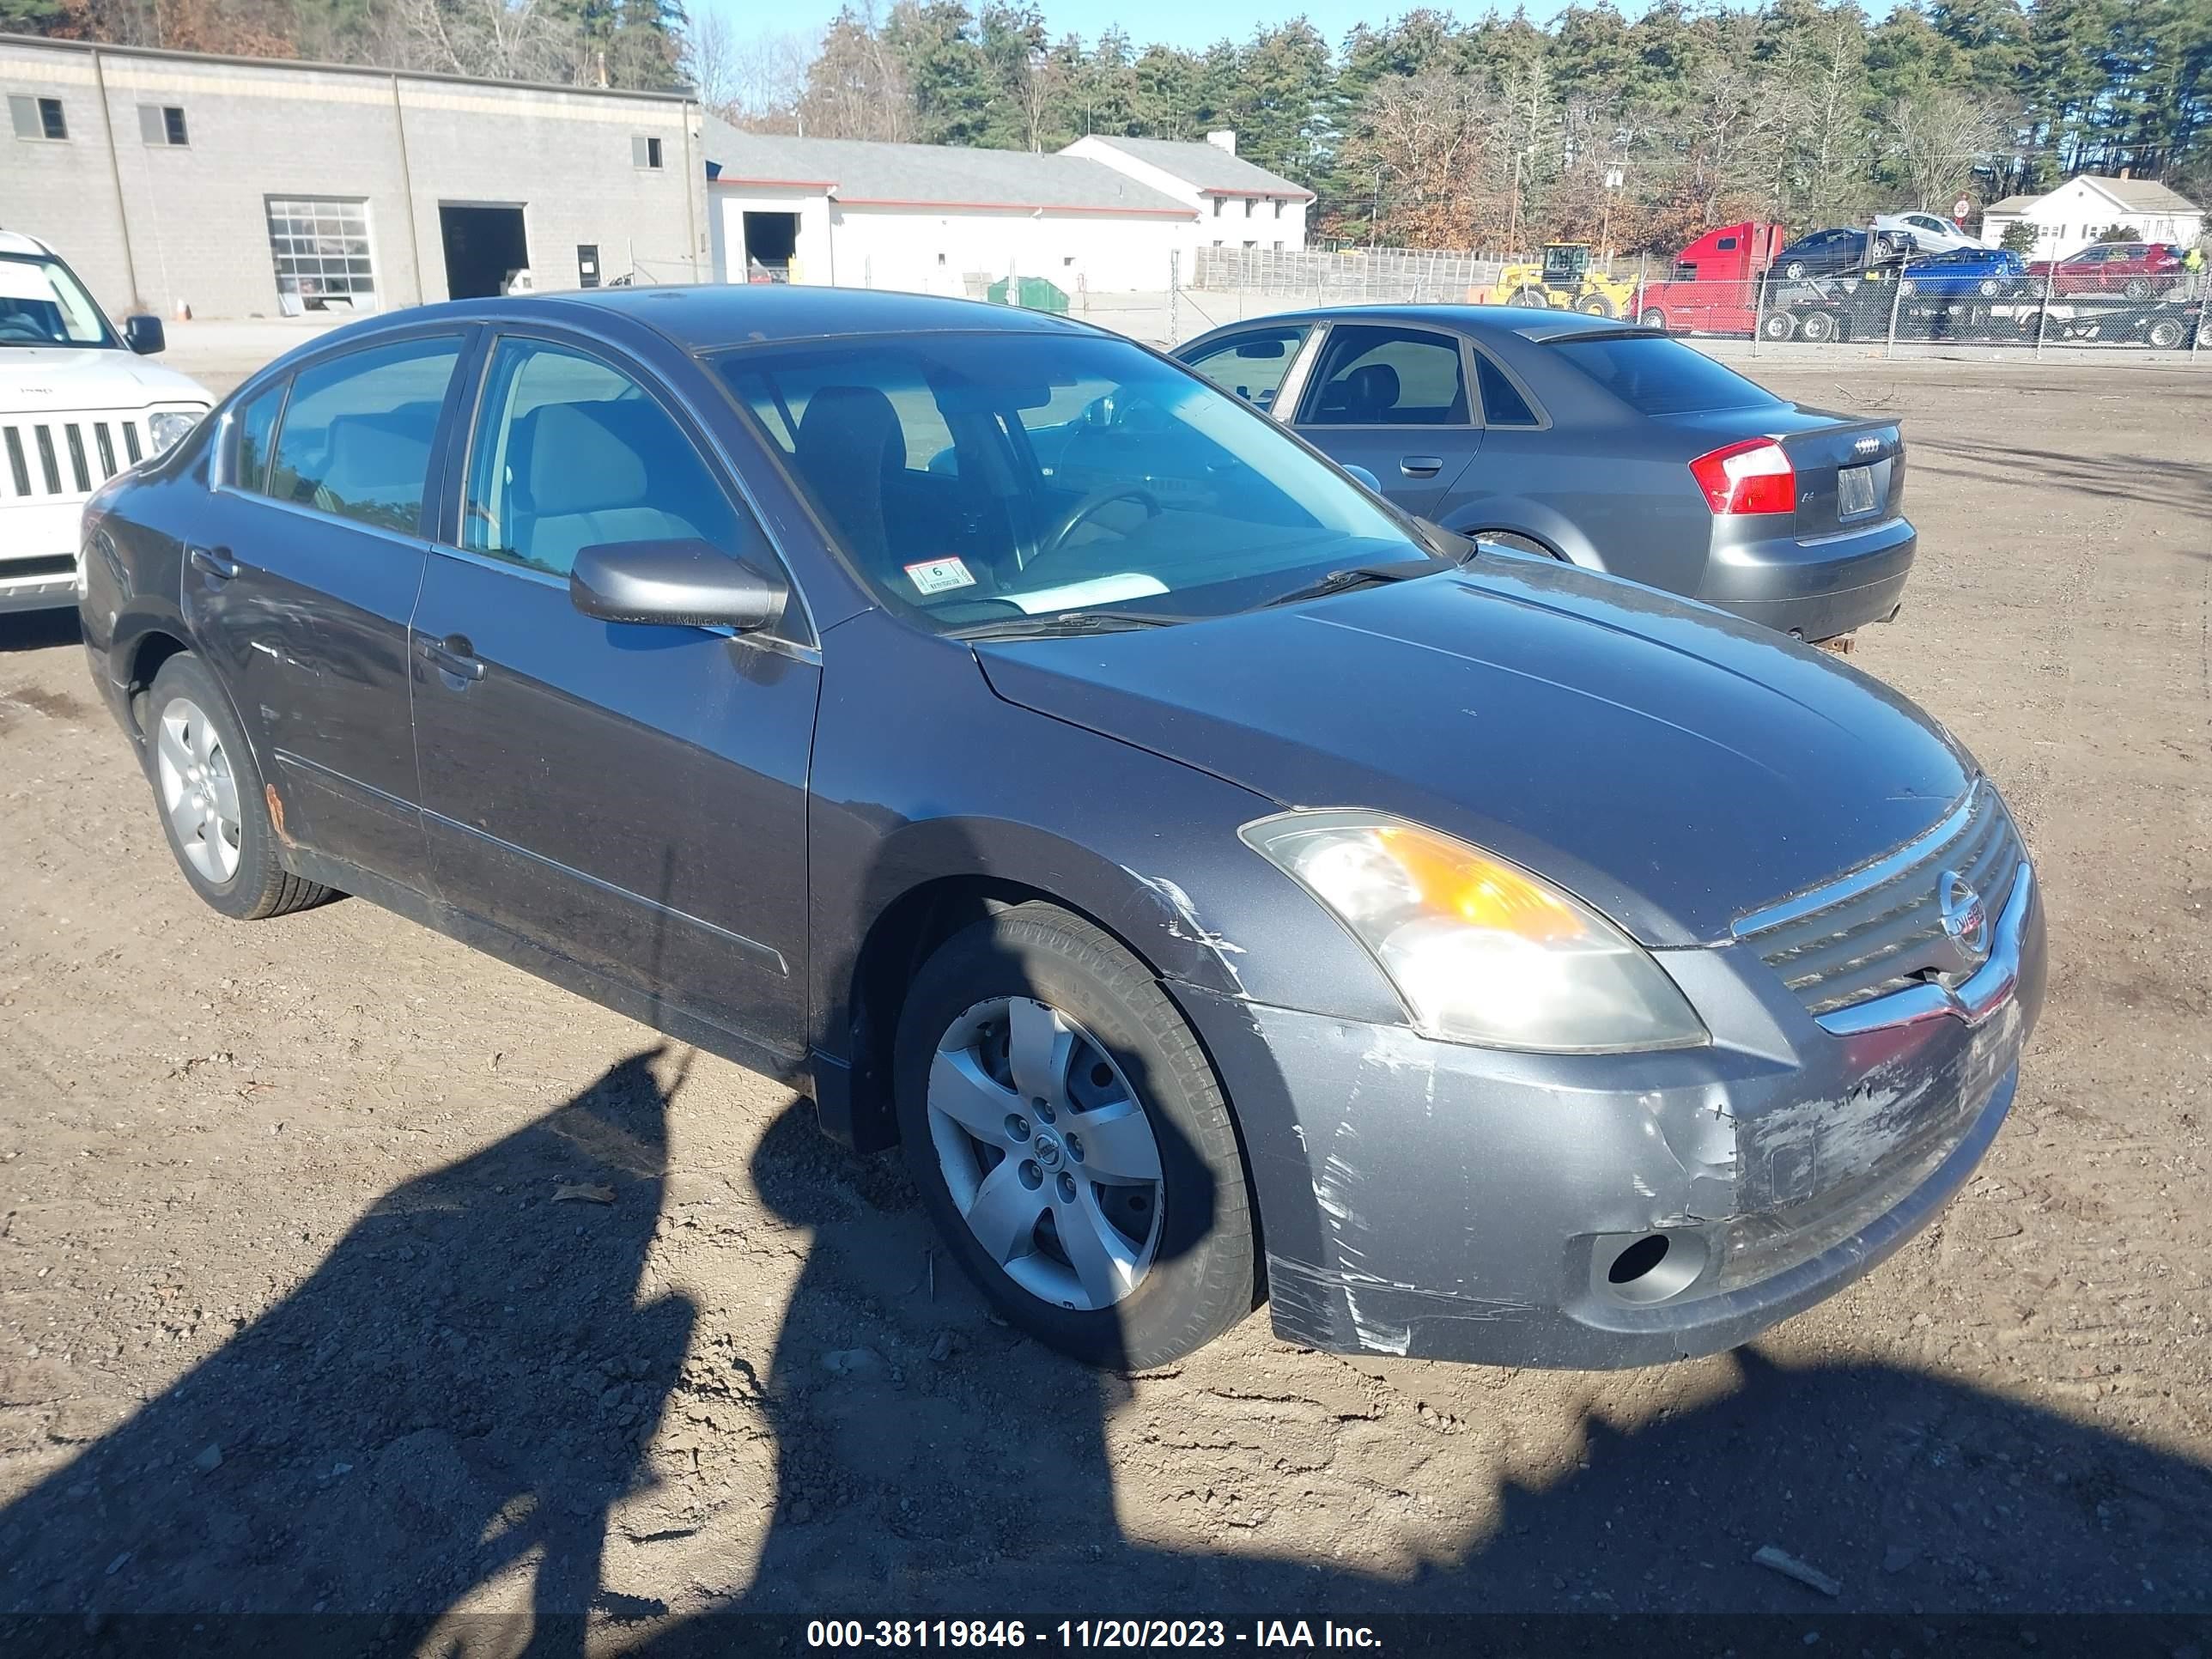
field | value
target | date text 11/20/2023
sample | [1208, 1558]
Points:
[1086, 1633]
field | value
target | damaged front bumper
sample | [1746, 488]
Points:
[1591, 1212]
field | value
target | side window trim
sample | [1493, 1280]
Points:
[1309, 391]
[711, 455]
[235, 433]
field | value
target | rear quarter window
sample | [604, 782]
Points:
[1657, 376]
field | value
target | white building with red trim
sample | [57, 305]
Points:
[1104, 215]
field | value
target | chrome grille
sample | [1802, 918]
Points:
[1879, 927]
[64, 458]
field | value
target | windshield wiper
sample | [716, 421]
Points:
[1359, 575]
[1066, 622]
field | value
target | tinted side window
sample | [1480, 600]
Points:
[357, 434]
[255, 425]
[1252, 366]
[1501, 401]
[570, 452]
[1371, 376]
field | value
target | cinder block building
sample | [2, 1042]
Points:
[246, 187]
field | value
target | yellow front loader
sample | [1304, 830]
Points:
[1565, 282]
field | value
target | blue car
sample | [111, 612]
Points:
[1984, 273]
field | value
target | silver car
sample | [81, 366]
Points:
[1609, 447]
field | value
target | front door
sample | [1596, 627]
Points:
[633, 796]
[303, 587]
[1393, 399]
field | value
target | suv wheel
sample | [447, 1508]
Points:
[1071, 1141]
[211, 798]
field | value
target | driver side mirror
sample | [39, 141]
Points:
[679, 583]
[144, 334]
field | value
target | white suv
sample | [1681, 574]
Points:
[79, 402]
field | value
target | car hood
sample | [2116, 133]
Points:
[36, 378]
[1669, 764]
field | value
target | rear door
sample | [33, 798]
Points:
[630, 795]
[1395, 400]
[303, 588]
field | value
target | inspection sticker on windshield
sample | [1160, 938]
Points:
[938, 575]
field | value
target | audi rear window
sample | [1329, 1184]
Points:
[1654, 375]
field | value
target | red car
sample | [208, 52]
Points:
[2136, 269]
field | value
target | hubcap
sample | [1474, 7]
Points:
[1047, 1152]
[198, 793]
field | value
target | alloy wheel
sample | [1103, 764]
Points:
[1047, 1152]
[199, 792]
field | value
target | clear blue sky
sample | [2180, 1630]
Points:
[1177, 23]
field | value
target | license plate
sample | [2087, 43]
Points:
[1854, 491]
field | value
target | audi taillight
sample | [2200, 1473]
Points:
[1753, 477]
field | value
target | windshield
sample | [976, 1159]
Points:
[972, 479]
[42, 303]
[1655, 375]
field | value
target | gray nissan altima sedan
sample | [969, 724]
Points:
[1220, 888]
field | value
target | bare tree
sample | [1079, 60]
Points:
[1433, 141]
[856, 88]
[493, 39]
[1936, 136]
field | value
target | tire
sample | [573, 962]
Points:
[1596, 306]
[1654, 317]
[1907, 287]
[1794, 269]
[209, 793]
[1988, 287]
[2136, 288]
[1531, 299]
[2165, 333]
[1191, 1274]
[1778, 325]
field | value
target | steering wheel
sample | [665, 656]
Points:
[1087, 508]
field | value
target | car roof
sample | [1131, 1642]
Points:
[1478, 320]
[701, 317]
[14, 241]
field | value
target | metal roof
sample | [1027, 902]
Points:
[861, 173]
[1214, 170]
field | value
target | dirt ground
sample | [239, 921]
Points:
[294, 1314]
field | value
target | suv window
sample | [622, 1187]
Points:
[357, 434]
[1252, 366]
[1374, 375]
[570, 452]
[1657, 376]
[255, 425]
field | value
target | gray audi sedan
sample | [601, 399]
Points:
[1606, 446]
[1220, 888]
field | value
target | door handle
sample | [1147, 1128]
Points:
[213, 560]
[455, 656]
[1420, 466]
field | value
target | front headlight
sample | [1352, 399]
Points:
[1481, 950]
[168, 427]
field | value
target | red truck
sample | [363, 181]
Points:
[1713, 288]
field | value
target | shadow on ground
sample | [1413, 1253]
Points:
[465, 1385]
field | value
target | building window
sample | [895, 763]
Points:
[645, 152]
[320, 247]
[162, 124]
[1279, 209]
[1218, 203]
[37, 118]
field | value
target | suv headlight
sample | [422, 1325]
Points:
[168, 427]
[1481, 950]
